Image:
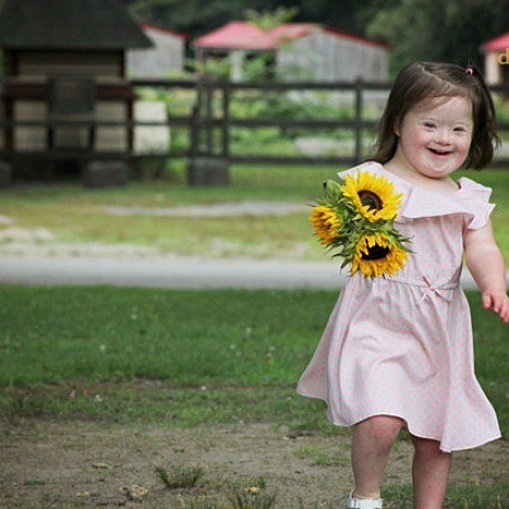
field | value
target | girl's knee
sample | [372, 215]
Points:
[427, 446]
[382, 428]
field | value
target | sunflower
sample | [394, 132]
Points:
[376, 255]
[326, 223]
[373, 196]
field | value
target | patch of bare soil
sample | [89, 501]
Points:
[88, 464]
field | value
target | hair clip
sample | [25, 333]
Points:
[469, 71]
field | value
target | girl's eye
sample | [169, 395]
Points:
[459, 129]
[429, 125]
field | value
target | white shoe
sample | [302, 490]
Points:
[363, 503]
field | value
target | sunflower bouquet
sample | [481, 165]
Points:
[355, 219]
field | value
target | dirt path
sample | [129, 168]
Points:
[80, 464]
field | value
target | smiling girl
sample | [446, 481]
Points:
[398, 351]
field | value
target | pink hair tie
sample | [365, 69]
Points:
[469, 71]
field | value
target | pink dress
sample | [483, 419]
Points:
[403, 345]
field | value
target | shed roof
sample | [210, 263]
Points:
[70, 25]
[169, 31]
[245, 35]
[500, 43]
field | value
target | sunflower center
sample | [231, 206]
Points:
[376, 253]
[371, 200]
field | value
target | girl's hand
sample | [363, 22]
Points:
[497, 300]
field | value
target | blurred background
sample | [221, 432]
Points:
[160, 282]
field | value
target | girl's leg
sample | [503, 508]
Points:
[371, 445]
[430, 473]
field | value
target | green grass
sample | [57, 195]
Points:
[185, 357]
[457, 497]
[118, 357]
[73, 213]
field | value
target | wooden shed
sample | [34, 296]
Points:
[303, 51]
[164, 58]
[496, 60]
[64, 63]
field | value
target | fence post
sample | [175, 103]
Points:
[204, 169]
[226, 119]
[359, 89]
[194, 138]
[209, 97]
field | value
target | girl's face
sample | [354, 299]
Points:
[435, 136]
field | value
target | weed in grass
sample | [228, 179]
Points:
[21, 405]
[320, 456]
[252, 498]
[35, 482]
[180, 477]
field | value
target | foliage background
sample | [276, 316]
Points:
[440, 30]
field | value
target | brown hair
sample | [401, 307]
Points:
[420, 80]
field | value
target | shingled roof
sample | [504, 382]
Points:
[69, 25]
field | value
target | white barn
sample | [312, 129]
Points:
[165, 57]
[304, 51]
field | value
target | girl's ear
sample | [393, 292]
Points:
[396, 127]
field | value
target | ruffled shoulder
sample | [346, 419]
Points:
[477, 197]
[471, 199]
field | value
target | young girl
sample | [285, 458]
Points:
[397, 351]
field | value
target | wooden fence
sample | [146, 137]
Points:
[204, 124]
[209, 134]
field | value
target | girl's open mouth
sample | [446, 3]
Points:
[439, 152]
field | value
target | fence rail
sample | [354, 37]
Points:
[203, 123]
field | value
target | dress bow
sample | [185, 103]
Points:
[438, 287]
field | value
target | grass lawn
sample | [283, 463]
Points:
[72, 213]
[254, 343]
[185, 359]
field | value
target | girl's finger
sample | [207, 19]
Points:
[486, 299]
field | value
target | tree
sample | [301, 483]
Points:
[268, 20]
[197, 17]
[441, 30]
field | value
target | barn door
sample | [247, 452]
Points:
[71, 99]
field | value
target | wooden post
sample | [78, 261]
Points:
[9, 130]
[209, 88]
[226, 119]
[194, 133]
[359, 89]
[197, 112]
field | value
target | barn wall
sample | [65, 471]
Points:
[38, 64]
[111, 138]
[166, 56]
[28, 139]
[325, 57]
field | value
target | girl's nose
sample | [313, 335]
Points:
[443, 136]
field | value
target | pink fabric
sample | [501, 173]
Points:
[403, 345]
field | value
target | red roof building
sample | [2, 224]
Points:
[165, 57]
[496, 59]
[316, 52]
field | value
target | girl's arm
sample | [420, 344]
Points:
[486, 264]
